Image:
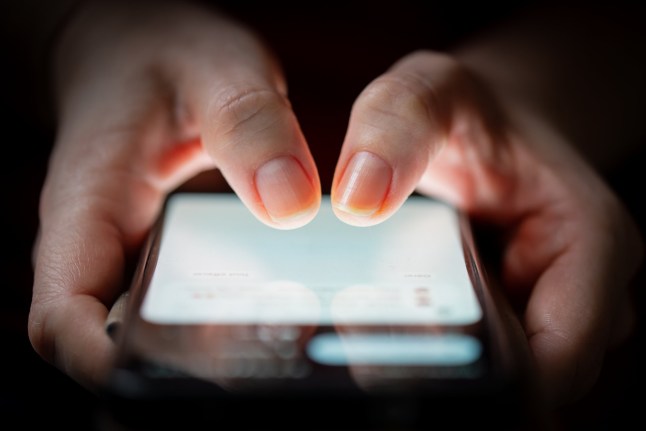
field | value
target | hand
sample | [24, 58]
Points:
[569, 247]
[149, 95]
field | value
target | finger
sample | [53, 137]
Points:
[78, 346]
[400, 124]
[74, 279]
[567, 315]
[565, 336]
[252, 135]
[394, 126]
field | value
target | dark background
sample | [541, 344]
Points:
[325, 76]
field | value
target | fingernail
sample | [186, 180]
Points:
[364, 184]
[285, 189]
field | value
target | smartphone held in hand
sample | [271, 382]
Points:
[328, 326]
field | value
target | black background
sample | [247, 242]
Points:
[33, 392]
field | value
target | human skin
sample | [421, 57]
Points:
[143, 106]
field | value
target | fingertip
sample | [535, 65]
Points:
[296, 220]
[364, 220]
[361, 191]
[290, 196]
[354, 219]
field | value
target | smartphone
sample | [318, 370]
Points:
[328, 326]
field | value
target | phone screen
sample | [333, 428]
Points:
[218, 265]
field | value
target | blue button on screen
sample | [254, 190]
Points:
[394, 349]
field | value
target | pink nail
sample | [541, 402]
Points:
[285, 189]
[364, 184]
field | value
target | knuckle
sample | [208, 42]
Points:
[236, 113]
[395, 102]
[395, 95]
[436, 61]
